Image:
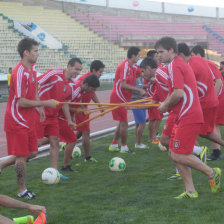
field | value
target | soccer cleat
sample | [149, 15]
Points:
[63, 146]
[186, 195]
[25, 219]
[63, 177]
[141, 146]
[68, 169]
[215, 181]
[203, 154]
[127, 150]
[113, 149]
[214, 156]
[155, 141]
[91, 159]
[176, 176]
[158, 135]
[27, 195]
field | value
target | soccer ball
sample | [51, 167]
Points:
[117, 164]
[50, 176]
[162, 147]
[76, 152]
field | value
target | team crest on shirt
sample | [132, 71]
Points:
[176, 144]
[64, 89]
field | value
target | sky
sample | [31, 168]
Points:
[213, 3]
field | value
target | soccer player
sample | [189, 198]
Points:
[9, 202]
[124, 82]
[139, 114]
[97, 68]
[88, 85]
[20, 113]
[184, 101]
[218, 80]
[54, 84]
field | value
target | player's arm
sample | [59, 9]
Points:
[218, 85]
[171, 100]
[41, 109]
[26, 103]
[132, 88]
[12, 203]
[4, 220]
[67, 114]
[95, 99]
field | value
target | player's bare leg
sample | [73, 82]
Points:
[20, 169]
[54, 149]
[68, 153]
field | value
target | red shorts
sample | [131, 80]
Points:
[66, 133]
[154, 114]
[21, 143]
[183, 138]
[80, 118]
[47, 128]
[120, 114]
[209, 120]
[220, 116]
[168, 126]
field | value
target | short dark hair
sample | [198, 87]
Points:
[92, 81]
[132, 51]
[222, 62]
[167, 43]
[26, 44]
[97, 65]
[148, 62]
[198, 49]
[183, 48]
[151, 53]
[72, 61]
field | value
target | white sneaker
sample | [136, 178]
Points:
[141, 146]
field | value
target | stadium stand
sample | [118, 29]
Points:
[9, 57]
[81, 42]
[128, 29]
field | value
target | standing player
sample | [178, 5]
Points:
[54, 84]
[218, 80]
[88, 85]
[184, 101]
[121, 93]
[139, 114]
[20, 113]
[154, 115]
[97, 68]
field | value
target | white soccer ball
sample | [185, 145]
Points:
[117, 164]
[162, 147]
[76, 152]
[50, 176]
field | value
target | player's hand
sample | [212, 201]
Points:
[51, 103]
[142, 92]
[42, 114]
[163, 108]
[71, 124]
[37, 208]
[102, 110]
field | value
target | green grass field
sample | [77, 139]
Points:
[141, 194]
